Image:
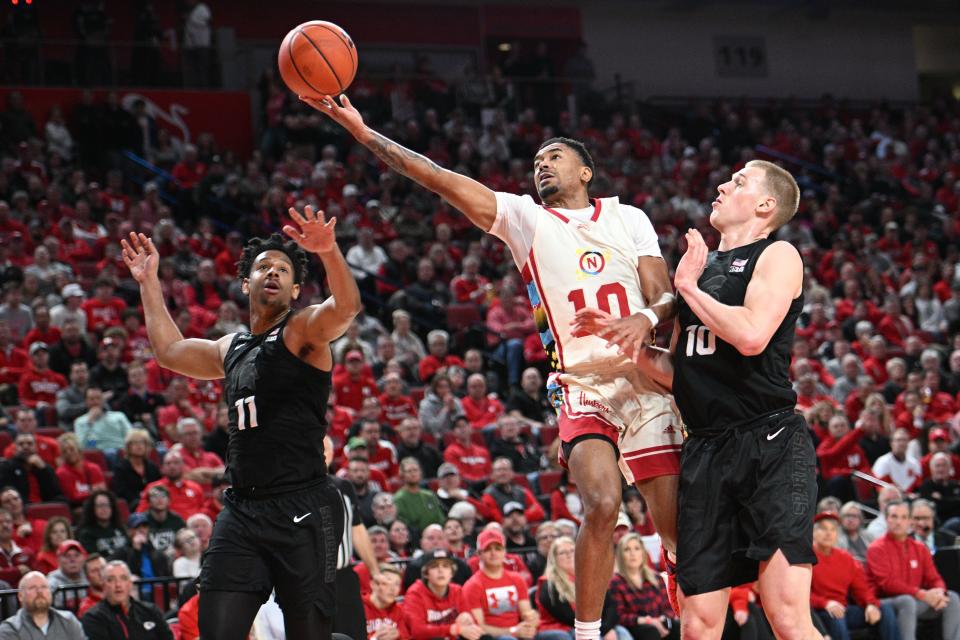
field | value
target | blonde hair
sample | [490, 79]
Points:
[557, 576]
[783, 188]
[137, 434]
[882, 412]
[69, 438]
[647, 574]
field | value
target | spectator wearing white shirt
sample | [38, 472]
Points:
[898, 466]
[365, 258]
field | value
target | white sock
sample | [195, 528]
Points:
[586, 630]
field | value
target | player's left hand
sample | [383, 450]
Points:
[692, 263]
[315, 233]
[630, 335]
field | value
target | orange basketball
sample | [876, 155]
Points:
[317, 58]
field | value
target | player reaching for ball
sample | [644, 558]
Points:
[575, 253]
[282, 519]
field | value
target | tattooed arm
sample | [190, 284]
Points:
[476, 201]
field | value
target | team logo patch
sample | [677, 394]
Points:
[591, 262]
[737, 266]
[273, 335]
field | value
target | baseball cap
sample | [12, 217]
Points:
[354, 354]
[512, 507]
[356, 442]
[938, 434]
[350, 190]
[826, 515]
[38, 346]
[447, 469]
[67, 545]
[72, 290]
[136, 520]
[372, 204]
[436, 556]
[489, 537]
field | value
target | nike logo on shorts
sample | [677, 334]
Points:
[770, 436]
[297, 519]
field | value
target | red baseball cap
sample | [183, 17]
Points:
[938, 434]
[489, 537]
[826, 515]
[67, 545]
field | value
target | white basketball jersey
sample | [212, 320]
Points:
[574, 264]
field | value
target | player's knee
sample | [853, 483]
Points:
[602, 510]
[695, 626]
[789, 622]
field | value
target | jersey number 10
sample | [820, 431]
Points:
[245, 406]
[700, 340]
[603, 298]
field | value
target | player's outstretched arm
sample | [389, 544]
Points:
[776, 281]
[328, 320]
[192, 357]
[476, 201]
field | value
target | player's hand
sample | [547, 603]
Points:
[835, 609]
[314, 235]
[342, 112]
[692, 263]
[141, 257]
[741, 617]
[590, 322]
[872, 614]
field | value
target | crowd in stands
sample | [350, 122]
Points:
[438, 411]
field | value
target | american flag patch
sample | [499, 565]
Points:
[737, 265]
[273, 335]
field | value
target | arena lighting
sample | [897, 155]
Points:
[504, 46]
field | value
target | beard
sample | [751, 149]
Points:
[547, 191]
[39, 605]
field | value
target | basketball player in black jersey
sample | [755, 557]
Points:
[747, 474]
[282, 519]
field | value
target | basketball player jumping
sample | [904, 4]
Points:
[747, 479]
[575, 253]
[282, 519]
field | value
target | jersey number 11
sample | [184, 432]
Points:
[245, 406]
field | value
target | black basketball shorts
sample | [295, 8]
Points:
[744, 494]
[286, 542]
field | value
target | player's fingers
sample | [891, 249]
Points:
[294, 234]
[150, 248]
[331, 223]
[299, 219]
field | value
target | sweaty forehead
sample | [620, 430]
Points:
[272, 255]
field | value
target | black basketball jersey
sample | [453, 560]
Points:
[278, 406]
[717, 387]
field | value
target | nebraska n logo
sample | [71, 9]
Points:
[590, 262]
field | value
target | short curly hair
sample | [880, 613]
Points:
[275, 242]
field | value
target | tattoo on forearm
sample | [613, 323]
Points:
[398, 157]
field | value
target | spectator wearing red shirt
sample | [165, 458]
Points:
[471, 459]
[34, 479]
[43, 330]
[28, 533]
[940, 405]
[13, 361]
[470, 287]
[47, 448]
[482, 409]
[104, 309]
[438, 344]
[840, 454]
[354, 384]
[179, 407]
[93, 568]
[381, 454]
[875, 364]
[903, 573]
[895, 327]
[15, 562]
[497, 598]
[509, 324]
[186, 496]
[199, 465]
[503, 494]
[433, 607]
[380, 544]
[395, 407]
[385, 619]
[840, 594]
[226, 260]
[939, 441]
[78, 478]
[39, 384]
[189, 171]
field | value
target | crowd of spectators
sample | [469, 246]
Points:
[438, 410]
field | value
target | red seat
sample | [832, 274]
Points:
[5, 440]
[50, 432]
[548, 434]
[96, 457]
[548, 481]
[521, 480]
[47, 510]
[124, 510]
[463, 316]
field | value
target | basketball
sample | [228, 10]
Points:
[317, 58]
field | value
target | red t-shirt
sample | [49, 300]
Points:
[377, 618]
[472, 461]
[40, 386]
[384, 459]
[186, 497]
[429, 616]
[350, 392]
[12, 365]
[102, 315]
[840, 577]
[483, 412]
[77, 483]
[47, 448]
[393, 411]
[498, 598]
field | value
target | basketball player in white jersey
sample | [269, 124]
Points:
[575, 253]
